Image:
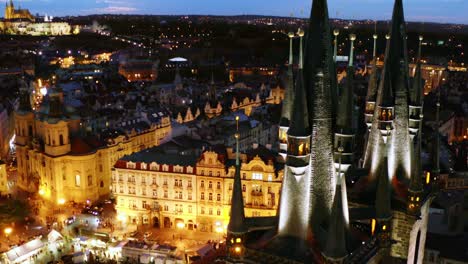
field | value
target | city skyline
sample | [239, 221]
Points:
[416, 10]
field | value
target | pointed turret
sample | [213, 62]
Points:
[415, 107]
[383, 212]
[236, 228]
[287, 102]
[436, 147]
[392, 115]
[320, 81]
[212, 91]
[299, 125]
[344, 135]
[372, 89]
[299, 129]
[294, 204]
[415, 188]
[345, 107]
[335, 249]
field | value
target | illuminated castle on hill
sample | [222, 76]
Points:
[332, 210]
[22, 22]
[11, 13]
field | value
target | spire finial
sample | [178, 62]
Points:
[336, 32]
[291, 36]
[352, 38]
[301, 33]
[375, 36]
[421, 38]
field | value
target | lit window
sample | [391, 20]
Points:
[77, 180]
[257, 176]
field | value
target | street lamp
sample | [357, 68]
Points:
[8, 231]
[61, 201]
[180, 225]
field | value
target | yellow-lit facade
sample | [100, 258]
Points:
[4, 190]
[195, 196]
[62, 169]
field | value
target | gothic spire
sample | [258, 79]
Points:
[345, 107]
[417, 80]
[320, 81]
[383, 196]
[436, 147]
[373, 79]
[335, 248]
[416, 173]
[236, 221]
[299, 126]
[289, 87]
[319, 57]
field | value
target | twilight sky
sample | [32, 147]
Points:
[446, 11]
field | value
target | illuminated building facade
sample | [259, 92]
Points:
[139, 70]
[193, 192]
[4, 190]
[62, 163]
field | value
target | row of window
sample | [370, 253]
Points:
[178, 208]
[210, 197]
[157, 167]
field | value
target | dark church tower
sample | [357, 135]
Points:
[236, 229]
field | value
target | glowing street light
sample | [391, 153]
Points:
[180, 225]
[61, 201]
[8, 231]
[41, 192]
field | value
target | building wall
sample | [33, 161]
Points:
[3, 180]
[199, 197]
[4, 133]
[60, 176]
[405, 230]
